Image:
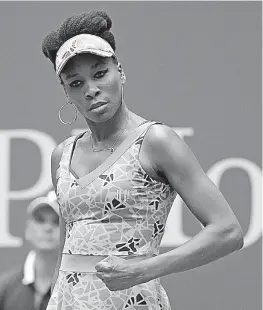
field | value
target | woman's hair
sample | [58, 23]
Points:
[95, 22]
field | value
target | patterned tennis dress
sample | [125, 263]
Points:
[116, 209]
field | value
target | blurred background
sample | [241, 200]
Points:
[196, 66]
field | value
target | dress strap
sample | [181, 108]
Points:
[62, 170]
[148, 127]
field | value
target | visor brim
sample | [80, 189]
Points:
[101, 53]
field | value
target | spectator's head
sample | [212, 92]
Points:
[42, 226]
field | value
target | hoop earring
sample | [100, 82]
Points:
[122, 95]
[75, 110]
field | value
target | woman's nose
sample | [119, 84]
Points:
[91, 91]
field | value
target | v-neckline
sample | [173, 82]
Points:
[94, 171]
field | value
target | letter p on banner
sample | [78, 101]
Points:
[46, 145]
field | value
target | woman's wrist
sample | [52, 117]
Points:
[143, 271]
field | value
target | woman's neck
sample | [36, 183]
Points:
[108, 130]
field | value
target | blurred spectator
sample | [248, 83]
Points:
[28, 287]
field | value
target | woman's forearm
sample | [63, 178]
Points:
[210, 244]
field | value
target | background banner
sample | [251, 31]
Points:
[196, 66]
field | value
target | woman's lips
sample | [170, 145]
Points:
[97, 105]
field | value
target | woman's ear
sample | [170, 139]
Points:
[123, 77]
[119, 67]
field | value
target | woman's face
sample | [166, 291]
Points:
[90, 81]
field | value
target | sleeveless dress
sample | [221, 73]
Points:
[116, 209]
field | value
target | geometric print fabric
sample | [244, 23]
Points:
[121, 212]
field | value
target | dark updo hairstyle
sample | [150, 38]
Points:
[95, 22]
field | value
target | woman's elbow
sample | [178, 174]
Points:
[239, 237]
[234, 236]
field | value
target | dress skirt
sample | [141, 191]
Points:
[84, 290]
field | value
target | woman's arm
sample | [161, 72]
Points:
[221, 234]
[55, 159]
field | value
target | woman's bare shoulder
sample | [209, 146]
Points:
[58, 151]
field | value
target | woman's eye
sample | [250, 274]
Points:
[75, 84]
[100, 74]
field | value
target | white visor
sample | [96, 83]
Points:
[82, 43]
